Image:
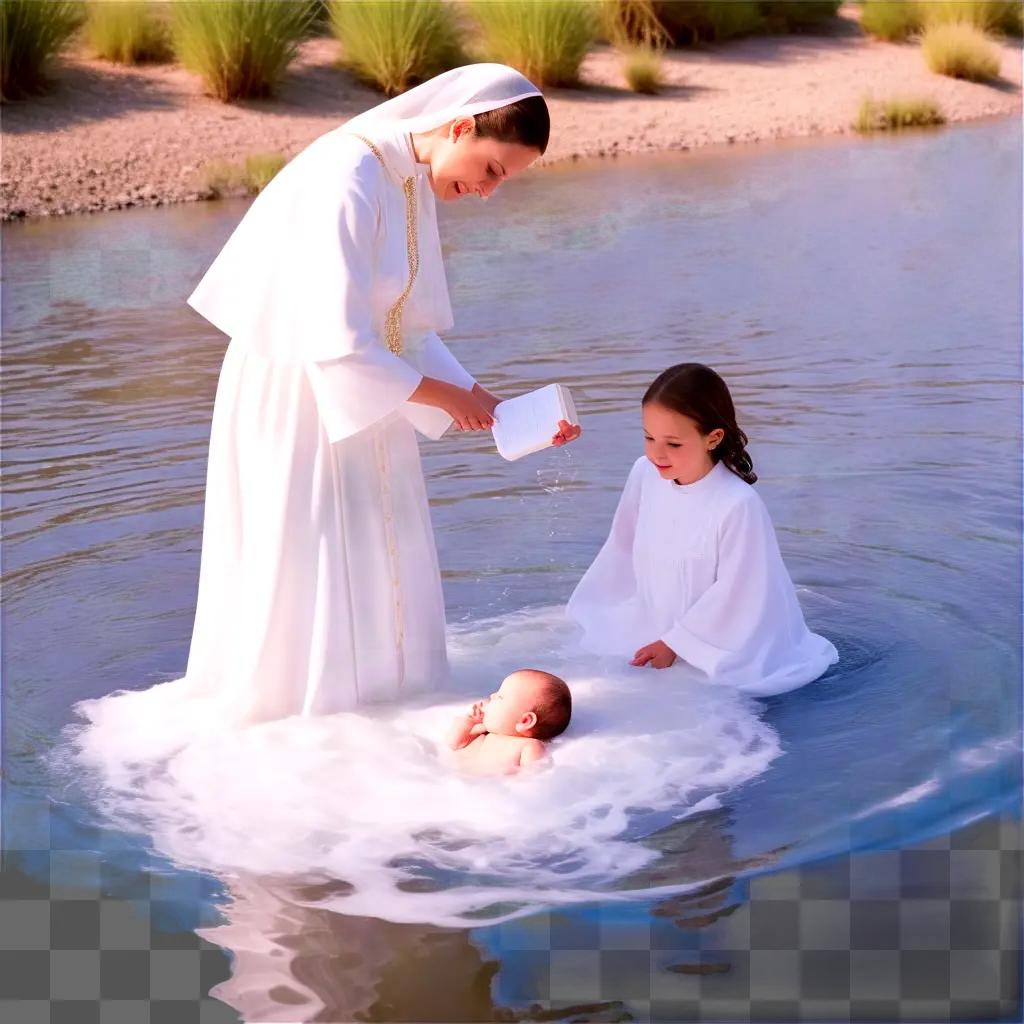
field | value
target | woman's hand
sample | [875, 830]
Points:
[657, 655]
[566, 432]
[463, 406]
[487, 400]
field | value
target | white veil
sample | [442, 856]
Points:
[461, 92]
[274, 286]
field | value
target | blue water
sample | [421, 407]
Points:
[861, 298]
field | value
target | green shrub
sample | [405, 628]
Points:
[260, 169]
[988, 15]
[960, 50]
[886, 115]
[794, 15]
[240, 48]
[641, 67]
[545, 39]
[626, 23]
[127, 31]
[891, 20]
[31, 34]
[392, 44]
[223, 178]
[708, 21]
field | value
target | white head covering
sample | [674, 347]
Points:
[461, 92]
[274, 286]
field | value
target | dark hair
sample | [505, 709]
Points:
[695, 390]
[525, 122]
[553, 708]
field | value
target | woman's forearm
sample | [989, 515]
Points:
[468, 411]
[431, 391]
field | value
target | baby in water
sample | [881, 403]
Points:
[507, 730]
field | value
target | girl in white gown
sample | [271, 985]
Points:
[319, 587]
[691, 570]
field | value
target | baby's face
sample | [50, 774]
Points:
[512, 705]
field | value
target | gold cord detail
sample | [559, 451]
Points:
[393, 320]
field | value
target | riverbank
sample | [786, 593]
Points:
[109, 137]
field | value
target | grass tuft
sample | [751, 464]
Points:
[260, 169]
[898, 112]
[31, 35]
[392, 44]
[223, 178]
[988, 15]
[641, 67]
[127, 31]
[960, 50]
[626, 23]
[891, 20]
[545, 39]
[240, 48]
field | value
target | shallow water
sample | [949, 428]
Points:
[860, 297]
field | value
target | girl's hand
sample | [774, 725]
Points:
[566, 432]
[657, 655]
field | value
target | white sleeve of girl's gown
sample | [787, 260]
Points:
[610, 581]
[749, 617]
[433, 358]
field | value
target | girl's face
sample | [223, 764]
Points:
[674, 443]
[463, 164]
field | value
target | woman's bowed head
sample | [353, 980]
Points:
[473, 155]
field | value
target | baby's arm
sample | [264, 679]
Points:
[466, 728]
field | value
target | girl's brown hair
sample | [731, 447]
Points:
[695, 390]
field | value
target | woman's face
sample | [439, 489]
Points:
[462, 163]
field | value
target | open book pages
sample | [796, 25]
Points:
[526, 424]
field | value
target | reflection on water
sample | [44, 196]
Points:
[291, 962]
[861, 298]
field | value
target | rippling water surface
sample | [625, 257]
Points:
[862, 300]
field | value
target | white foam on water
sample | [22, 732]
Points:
[373, 798]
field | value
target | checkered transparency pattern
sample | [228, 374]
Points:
[925, 934]
[930, 933]
[87, 938]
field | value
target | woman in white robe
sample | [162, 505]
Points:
[319, 587]
[691, 571]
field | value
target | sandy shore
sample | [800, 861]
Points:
[109, 137]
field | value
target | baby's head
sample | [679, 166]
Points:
[529, 703]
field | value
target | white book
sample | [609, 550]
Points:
[527, 423]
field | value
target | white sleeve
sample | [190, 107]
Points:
[610, 580]
[361, 387]
[433, 358]
[750, 613]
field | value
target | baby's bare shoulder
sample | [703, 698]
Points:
[532, 750]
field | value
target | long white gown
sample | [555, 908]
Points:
[319, 586]
[698, 566]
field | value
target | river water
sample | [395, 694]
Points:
[862, 300]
